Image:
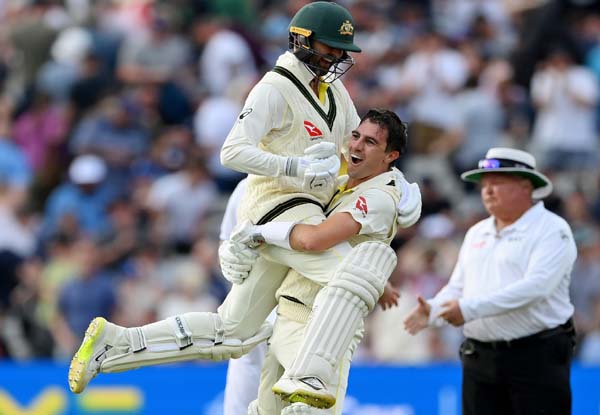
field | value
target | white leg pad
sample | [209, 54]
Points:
[189, 336]
[303, 409]
[340, 308]
[253, 408]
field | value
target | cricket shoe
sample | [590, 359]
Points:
[309, 390]
[85, 365]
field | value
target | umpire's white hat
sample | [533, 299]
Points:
[513, 161]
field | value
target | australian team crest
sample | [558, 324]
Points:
[346, 28]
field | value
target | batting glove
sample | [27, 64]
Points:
[236, 260]
[409, 206]
[318, 167]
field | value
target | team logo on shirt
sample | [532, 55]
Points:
[478, 245]
[361, 204]
[313, 131]
[245, 113]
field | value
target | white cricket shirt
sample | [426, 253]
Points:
[515, 282]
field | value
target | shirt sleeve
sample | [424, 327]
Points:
[264, 110]
[374, 209]
[452, 291]
[551, 260]
[230, 216]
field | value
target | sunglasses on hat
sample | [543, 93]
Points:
[498, 163]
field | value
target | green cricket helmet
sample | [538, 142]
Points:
[328, 23]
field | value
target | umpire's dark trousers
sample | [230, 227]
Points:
[526, 376]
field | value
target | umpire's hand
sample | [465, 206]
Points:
[451, 313]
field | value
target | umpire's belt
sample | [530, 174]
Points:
[566, 328]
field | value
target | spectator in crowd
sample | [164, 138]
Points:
[225, 56]
[41, 132]
[80, 204]
[24, 332]
[179, 202]
[91, 293]
[429, 79]
[565, 96]
[480, 122]
[157, 61]
[57, 76]
[585, 286]
[590, 346]
[30, 35]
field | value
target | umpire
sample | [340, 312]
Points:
[510, 290]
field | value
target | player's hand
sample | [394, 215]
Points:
[321, 173]
[318, 167]
[236, 260]
[418, 319]
[321, 150]
[409, 206]
[248, 234]
[390, 297]
[451, 313]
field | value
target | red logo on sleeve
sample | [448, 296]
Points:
[312, 130]
[361, 204]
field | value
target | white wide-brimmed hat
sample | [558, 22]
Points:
[87, 169]
[513, 161]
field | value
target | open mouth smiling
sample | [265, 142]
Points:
[354, 159]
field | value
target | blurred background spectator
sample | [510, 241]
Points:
[113, 112]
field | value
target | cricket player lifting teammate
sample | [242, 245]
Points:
[363, 212]
[288, 138]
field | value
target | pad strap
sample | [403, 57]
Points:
[219, 329]
[183, 334]
[137, 339]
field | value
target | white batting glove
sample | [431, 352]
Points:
[248, 234]
[236, 260]
[319, 166]
[321, 150]
[409, 206]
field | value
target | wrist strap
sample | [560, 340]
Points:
[277, 233]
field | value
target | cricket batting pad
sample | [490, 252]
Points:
[188, 336]
[302, 409]
[340, 308]
[253, 408]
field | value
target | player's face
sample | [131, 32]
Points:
[368, 157]
[503, 193]
[325, 61]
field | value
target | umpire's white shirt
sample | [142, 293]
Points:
[515, 282]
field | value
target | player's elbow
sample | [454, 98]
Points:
[310, 244]
[227, 157]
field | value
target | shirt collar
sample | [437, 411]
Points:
[379, 180]
[289, 61]
[530, 216]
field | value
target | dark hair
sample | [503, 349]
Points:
[397, 138]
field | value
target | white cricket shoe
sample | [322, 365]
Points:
[85, 365]
[309, 390]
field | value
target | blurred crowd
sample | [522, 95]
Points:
[113, 112]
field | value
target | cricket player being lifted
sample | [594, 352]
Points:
[288, 138]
